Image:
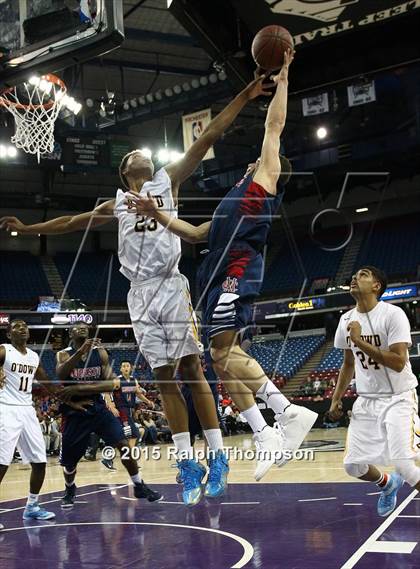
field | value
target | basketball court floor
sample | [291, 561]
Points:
[308, 514]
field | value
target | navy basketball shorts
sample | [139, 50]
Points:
[76, 429]
[230, 286]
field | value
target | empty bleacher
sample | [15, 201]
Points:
[22, 278]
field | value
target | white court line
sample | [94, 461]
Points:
[237, 503]
[355, 504]
[373, 493]
[316, 499]
[247, 547]
[58, 499]
[392, 547]
[365, 547]
[407, 516]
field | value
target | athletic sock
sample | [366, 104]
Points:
[136, 478]
[382, 480]
[214, 438]
[182, 442]
[32, 499]
[255, 419]
[274, 398]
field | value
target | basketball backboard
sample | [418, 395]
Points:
[45, 36]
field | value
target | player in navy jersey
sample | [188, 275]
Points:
[122, 403]
[85, 363]
[230, 278]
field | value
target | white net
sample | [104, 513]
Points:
[35, 106]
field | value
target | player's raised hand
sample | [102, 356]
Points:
[10, 223]
[284, 71]
[336, 410]
[90, 344]
[143, 205]
[257, 87]
[355, 330]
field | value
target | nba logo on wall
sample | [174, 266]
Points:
[230, 284]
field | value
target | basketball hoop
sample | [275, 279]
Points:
[35, 106]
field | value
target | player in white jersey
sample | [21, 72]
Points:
[384, 427]
[159, 299]
[19, 425]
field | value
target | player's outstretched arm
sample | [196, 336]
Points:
[181, 170]
[65, 224]
[57, 391]
[344, 378]
[269, 168]
[187, 231]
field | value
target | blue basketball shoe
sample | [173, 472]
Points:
[191, 473]
[217, 479]
[388, 498]
[35, 512]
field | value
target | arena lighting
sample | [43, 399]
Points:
[195, 83]
[213, 78]
[146, 152]
[204, 81]
[169, 92]
[186, 86]
[13, 233]
[126, 106]
[362, 209]
[133, 103]
[89, 102]
[177, 89]
[149, 97]
[158, 95]
[7, 151]
[163, 155]
[321, 132]
[414, 301]
[142, 100]
[221, 76]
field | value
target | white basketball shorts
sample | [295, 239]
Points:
[19, 427]
[383, 430]
[163, 319]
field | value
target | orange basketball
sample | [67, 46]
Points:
[269, 46]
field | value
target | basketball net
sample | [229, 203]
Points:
[35, 106]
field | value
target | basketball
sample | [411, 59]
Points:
[269, 46]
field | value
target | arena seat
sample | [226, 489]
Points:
[22, 278]
[284, 275]
[90, 277]
[393, 247]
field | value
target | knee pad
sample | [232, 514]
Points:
[408, 470]
[356, 470]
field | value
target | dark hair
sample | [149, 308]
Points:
[379, 275]
[122, 167]
[286, 170]
[9, 326]
[126, 362]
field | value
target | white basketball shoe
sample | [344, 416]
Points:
[270, 445]
[296, 423]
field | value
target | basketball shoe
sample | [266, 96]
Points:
[270, 445]
[143, 491]
[388, 497]
[191, 473]
[217, 478]
[35, 512]
[67, 500]
[296, 422]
